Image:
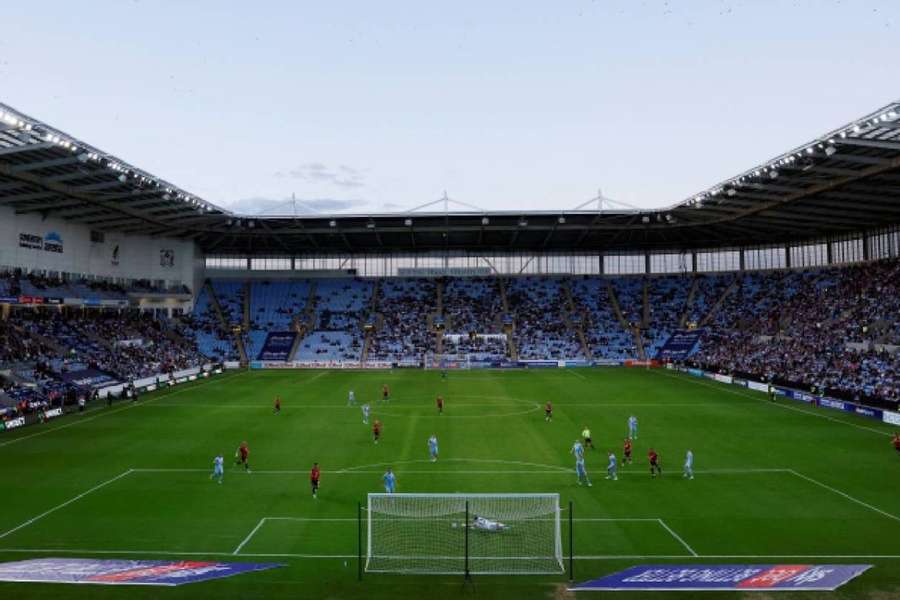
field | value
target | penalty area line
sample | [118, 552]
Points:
[66, 503]
[677, 537]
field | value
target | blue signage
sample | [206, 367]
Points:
[648, 578]
[123, 572]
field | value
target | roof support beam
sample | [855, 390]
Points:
[882, 144]
[28, 148]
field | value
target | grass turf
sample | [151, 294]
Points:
[782, 483]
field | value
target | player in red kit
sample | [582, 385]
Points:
[314, 480]
[385, 393]
[626, 451]
[655, 469]
[548, 411]
[440, 405]
[277, 405]
[896, 442]
[243, 456]
[376, 430]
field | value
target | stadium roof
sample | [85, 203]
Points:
[845, 181]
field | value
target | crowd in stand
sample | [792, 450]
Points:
[830, 329]
[834, 329]
[541, 330]
[405, 305]
[472, 305]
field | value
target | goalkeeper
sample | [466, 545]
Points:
[487, 525]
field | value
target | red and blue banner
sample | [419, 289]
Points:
[651, 578]
[123, 572]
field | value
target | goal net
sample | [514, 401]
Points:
[464, 533]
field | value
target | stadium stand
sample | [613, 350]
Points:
[405, 307]
[540, 328]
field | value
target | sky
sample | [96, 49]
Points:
[355, 107]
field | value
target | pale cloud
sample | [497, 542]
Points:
[315, 172]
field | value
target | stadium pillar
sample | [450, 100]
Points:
[865, 246]
[693, 262]
[787, 256]
[829, 255]
[647, 263]
[571, 542]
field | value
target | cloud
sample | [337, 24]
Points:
[286, 206]
[341, 176]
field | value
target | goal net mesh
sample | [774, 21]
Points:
[430, 533]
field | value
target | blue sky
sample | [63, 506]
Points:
[374, 106]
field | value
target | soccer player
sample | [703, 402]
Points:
[612, 468]
[483, 524]
[433, 447]
[586, 436]
[689, 465]
[351, 398]
[548, 411]
[277, 410]
[385, 393]
[771, 393]
[218, 468]
[632, 427]
[443, 373]
[654, 463]
[365, 412]
[314, 480]
[390, 482]
[896, 442]
[376, 430]
[243, 453]
[580, 471]
[626, 451]
[440, 405]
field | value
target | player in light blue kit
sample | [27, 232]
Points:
[689, 465]
[365, 411]
[578, 451]
[433, 447]
[351, 399]
[632, 427]
[218, 468]
[390, 482]
[612, 468]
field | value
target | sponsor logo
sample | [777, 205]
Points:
[31, 241]
[53, 413]
[123, 572]
[759, 387]
[53, 242]
[727, 577]
[868, 412]
[829, 403]
[890, 417]
[14, 423]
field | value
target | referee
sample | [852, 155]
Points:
[586, 435]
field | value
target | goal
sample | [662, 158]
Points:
[487, 534]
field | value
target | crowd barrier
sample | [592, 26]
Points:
[886, 416]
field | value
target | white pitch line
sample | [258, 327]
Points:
[577, 374]
[108, 412]
[692, 379]
[845, 495]
[65, 504]
[250, 535]
[677, 537]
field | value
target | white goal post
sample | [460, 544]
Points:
[486, 534]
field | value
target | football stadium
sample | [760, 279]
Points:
[447, 400]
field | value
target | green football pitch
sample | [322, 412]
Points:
[775, 483]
